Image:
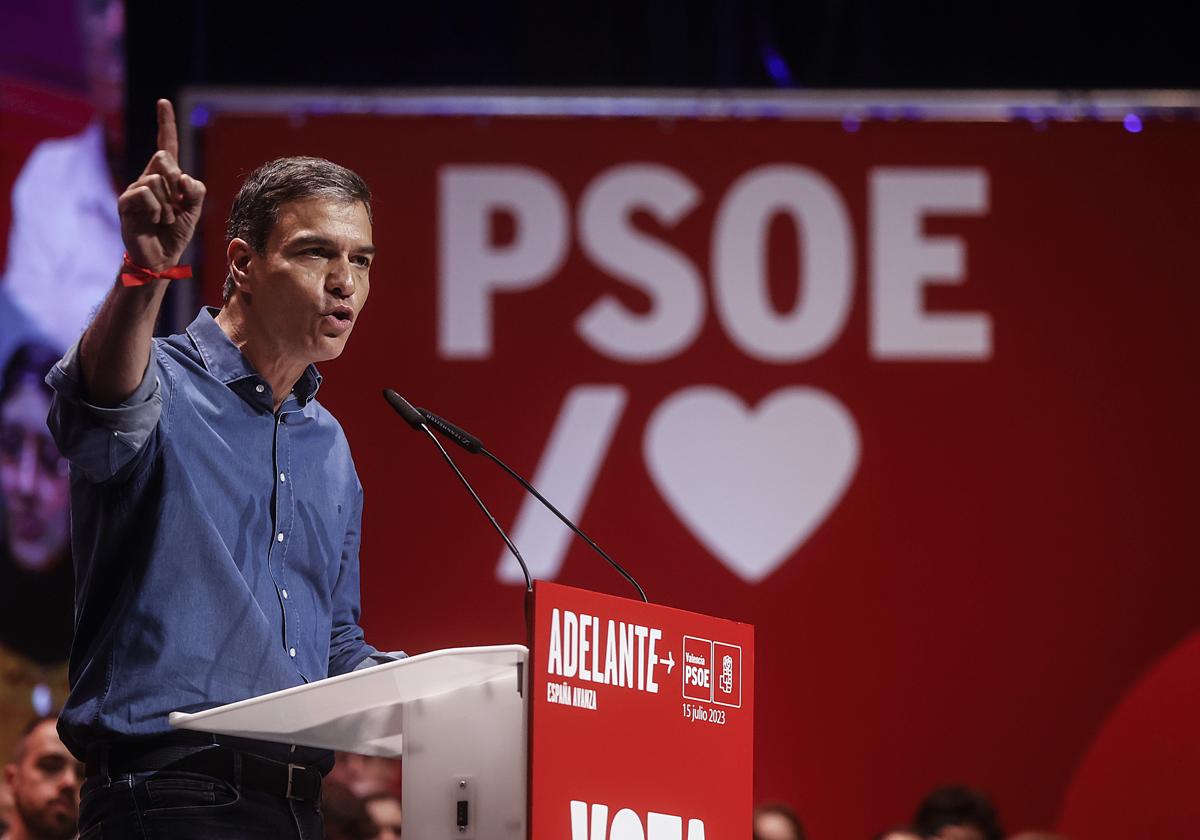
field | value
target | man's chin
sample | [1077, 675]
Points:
[59, 824]
[329, 347]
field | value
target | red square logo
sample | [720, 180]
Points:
[697, 669]
[727, 675]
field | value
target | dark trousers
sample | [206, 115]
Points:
[176, 805]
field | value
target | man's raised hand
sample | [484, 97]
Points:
[159, 210]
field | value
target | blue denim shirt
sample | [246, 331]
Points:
[215, 540]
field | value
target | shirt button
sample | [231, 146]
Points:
[285, 595]
[279, 536]
[282, 477]
[259, 388]
[292, 652]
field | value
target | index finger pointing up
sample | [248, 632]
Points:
[168, 136]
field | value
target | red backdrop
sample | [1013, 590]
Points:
[958, 556]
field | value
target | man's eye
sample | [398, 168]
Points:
[51, 764]
[365, 262]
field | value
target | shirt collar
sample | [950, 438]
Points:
[226, 362]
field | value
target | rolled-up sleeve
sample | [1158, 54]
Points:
[98, 441]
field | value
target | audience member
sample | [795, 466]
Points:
[957, 813]
[6, 806]
[898, 833]
[384, 809]
[346, 816]
[366, 775]
[65, 237]
[776, 821]
[34, 475]
[15, 327]
[44, 779]
[36, 575]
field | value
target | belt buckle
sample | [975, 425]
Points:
[291, 770]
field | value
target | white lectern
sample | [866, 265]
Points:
[457, 717]
[627, 720]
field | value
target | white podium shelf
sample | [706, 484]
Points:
[364, 711]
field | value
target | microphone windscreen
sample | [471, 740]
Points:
[411, 416]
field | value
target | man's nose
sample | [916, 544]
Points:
[73, 777]
[340, 280]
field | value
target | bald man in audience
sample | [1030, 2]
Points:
[44, 778]
[903, 833]
[385, 810]
[776, 821]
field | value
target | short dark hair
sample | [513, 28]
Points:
[256, 206]
[22, 744]
[957, 805]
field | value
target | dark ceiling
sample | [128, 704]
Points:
[664, 43]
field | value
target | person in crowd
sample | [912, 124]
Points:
[346, 815]
[366, 775]
[902, 832]
[956, 812]
[777, 821]
[36, 578]
[16, 328]
[384, 809]
[65, 235]
[36, 488]
[44, 779]
[6, 806]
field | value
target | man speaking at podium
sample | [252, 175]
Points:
[216, 508]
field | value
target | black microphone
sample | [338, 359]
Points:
[404, 408]
[463, 438]
[414, 418]
[475, 446]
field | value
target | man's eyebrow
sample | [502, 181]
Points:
[311, 239]
[325, 242]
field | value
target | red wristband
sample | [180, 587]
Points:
[133, 274]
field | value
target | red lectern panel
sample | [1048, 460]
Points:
[641, 720]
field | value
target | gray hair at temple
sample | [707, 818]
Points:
[256, 206]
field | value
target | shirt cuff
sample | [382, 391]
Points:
[381, 659]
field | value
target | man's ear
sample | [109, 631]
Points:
[238, 257]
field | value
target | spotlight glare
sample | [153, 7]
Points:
[41, 699]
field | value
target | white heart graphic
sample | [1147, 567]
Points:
[752, 485]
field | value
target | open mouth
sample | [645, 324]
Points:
[340, 318]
